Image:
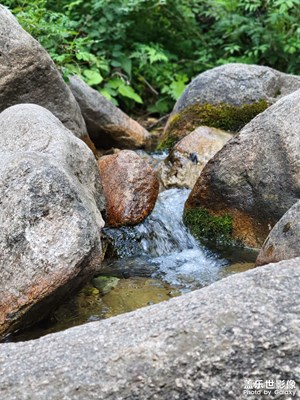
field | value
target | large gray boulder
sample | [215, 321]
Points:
[283, 242]
[50, 220]
[208, 344]
[255, 178]
[238, 84]
[28, 75]
[228, 97]
[107, 125]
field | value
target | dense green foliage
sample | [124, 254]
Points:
[145, 51]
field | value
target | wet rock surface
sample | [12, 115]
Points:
[28, 75]
[130, 186]
[199, 346]
[51, 198]
[107, 125]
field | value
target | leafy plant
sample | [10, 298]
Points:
[141, 53]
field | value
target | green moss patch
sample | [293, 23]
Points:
[223, 116]
[166, 143]
[209, 228]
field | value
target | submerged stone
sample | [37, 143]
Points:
[105, 283]
[134, 293]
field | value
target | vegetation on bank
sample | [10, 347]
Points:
[141, 53]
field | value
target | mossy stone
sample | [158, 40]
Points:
[224, 116]
[166, 143]
[105, 283]
[208, 228]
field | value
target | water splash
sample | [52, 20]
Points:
[162, 248]
[163, 245]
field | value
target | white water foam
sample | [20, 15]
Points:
[163, 241]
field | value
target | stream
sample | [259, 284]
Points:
[151, 262]
[163, 247]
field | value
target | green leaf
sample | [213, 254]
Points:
[92, 77]
[83, 56]
[109, 97]
[114, 83]
[128, 91]
[126, 64]
[177, 88]
[59, 59]
[115, 63]
[162, 106]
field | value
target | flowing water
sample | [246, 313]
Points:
[153, 261]
[164, 248]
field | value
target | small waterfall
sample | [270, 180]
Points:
[163, 246]
[163, 232]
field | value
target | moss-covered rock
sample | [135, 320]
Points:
[224, 116]
[209, 228]
[255, 177]
[227, 97]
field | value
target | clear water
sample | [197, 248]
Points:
[159, 258]
[164, 246]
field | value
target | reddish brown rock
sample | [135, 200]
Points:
[189, 156]
[130, 186]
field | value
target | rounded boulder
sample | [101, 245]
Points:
[130, 186]
[50, 223]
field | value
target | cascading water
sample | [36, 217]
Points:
[163, 246]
